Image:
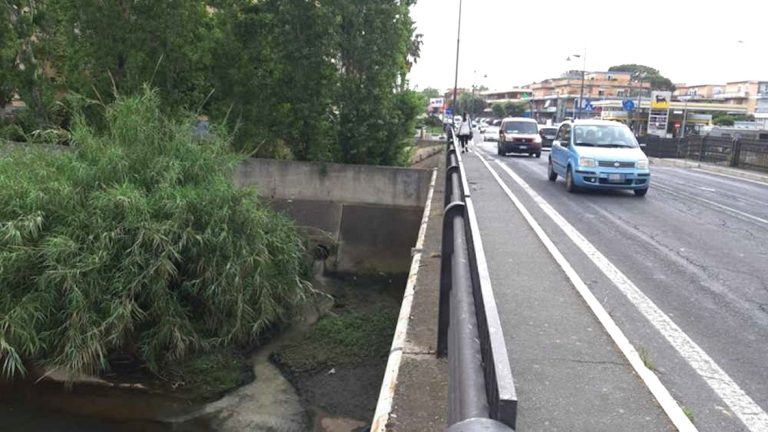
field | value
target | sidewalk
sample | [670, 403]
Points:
[420, 390]
[717, 169]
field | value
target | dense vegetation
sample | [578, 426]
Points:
[646, 74]
[135, 243]
[305, 80]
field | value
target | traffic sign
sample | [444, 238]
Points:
[628, 104]
[449, 111]
[588, 106]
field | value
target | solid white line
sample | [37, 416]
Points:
[389, 382]
[657, 389]
[751, 414]
[671, 191]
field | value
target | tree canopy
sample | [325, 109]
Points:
[646, 74]
[472, 104]
[291, 79]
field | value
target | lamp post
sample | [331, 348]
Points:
[583, 73]
[639, 76]
[685, 118]
[456, 74]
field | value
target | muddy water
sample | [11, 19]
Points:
[269, 403]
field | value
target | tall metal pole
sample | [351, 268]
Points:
[456, 75]
[581, 93]
[685, 118]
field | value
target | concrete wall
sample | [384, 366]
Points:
[315, 181]
[371, 214]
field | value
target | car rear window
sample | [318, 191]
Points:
[549, 131]
[521, 127]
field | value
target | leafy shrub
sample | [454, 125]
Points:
[136, 242]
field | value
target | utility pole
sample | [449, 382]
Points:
[581, 93]
[456, 74]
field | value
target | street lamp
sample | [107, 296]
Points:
[583, 73]
[639, 77]
[456, 75]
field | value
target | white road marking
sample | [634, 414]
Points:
[671, 191]
[706, 189]
[662, 395]
[751, 414]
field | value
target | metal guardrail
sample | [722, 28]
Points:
[733, 152]
[480, 386]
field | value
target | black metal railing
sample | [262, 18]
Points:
[480, 387]
[734, 152]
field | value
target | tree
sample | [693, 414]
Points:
[430, 93]
[292, 79]
[649, 74]
[471, 104]
[8, 42]
[374, 47]
[725, 119]
[498, 110]
[515, 109]
[136, 243]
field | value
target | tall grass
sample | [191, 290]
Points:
[136, 243]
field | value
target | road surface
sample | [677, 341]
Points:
[683, 272]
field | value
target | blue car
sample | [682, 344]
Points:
[598, 154]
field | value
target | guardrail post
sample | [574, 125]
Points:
[735, 153]
[478, 425]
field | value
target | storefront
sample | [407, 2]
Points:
[692, 116]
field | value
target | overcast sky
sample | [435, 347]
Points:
[517, 42]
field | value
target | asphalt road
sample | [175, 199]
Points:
[696, 246]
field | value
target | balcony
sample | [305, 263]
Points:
[732, 95]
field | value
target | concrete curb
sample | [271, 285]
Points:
[714, 169]
[389, 383]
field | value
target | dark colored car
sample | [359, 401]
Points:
[548, 134]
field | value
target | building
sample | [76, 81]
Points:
[751, 94]
[701, 92]
[691, 115]
[516, 94]
[557, 98]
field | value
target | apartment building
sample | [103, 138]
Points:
[751, 93]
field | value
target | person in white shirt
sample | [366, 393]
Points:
[465, 132]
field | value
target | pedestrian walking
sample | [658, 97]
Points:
[465, 132]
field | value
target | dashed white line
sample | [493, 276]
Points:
[751, 414]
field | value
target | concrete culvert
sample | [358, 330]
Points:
[322, 252]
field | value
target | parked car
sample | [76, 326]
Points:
[598, 154]
[491, 133]
[519, 135]
[548, 134]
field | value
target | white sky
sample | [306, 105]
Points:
[516, 42]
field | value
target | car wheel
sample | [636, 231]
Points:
[551, 171]
[641, 192]
[569, 185]
[538, 154]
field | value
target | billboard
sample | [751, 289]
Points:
[436, 103]
[660, 99]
